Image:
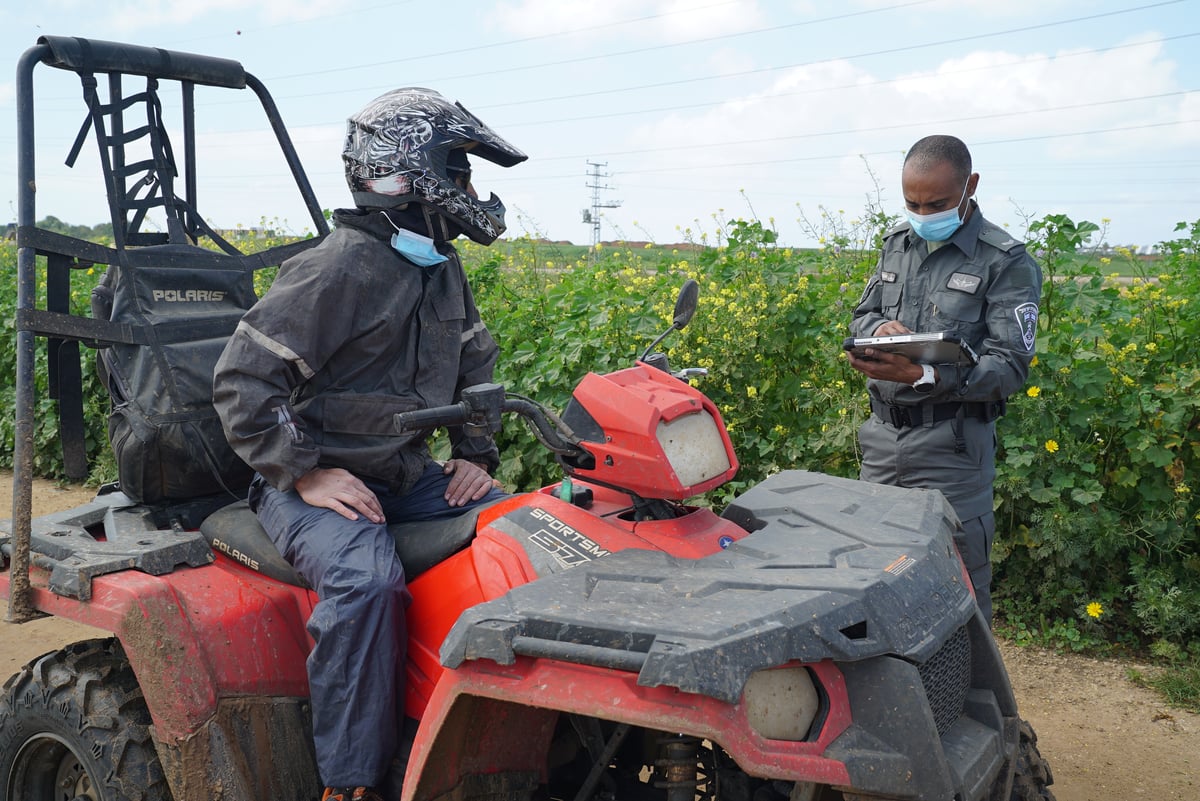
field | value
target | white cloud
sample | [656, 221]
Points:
[804, 134]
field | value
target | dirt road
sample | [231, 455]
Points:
[1106, 739]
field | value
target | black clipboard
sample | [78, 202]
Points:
[935, 348]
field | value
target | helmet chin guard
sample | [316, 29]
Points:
[396, 151]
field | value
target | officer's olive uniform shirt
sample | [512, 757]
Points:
[981, 285]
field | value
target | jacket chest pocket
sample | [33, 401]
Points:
[443, 330]
[956, 311]
[890, 295]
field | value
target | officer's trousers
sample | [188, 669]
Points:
[962, 467]
[356, 668]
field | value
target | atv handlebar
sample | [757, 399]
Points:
[436, 417]
[478, 413]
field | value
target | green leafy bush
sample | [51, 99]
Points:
[1099, 454]
[1097, 517]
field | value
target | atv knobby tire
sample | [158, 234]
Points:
[1032, 777]
[74, 725]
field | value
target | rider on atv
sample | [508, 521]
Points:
[378, 319]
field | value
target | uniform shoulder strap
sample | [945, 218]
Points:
[998, 238]
[899, 228]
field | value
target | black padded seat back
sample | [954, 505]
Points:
[236, 532]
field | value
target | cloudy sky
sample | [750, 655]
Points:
[691, 112]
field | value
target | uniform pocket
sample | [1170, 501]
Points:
[957, 312]
[890, 296]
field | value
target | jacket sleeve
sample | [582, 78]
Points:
[868, 314]
[279, 344]
[477, 366]
[1012, 317]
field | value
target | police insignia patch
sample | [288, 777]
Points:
[964, 282]
[1027, 318]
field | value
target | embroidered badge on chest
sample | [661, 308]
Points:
[1027, 317]
[887, 277]
[964, 282]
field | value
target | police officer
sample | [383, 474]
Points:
[376, 319]
[946, 269]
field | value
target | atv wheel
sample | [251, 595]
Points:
[74, 727]
[1032, 778]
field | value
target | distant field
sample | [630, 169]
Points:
[561, 253]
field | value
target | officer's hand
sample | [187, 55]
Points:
[890, 329]
[880, 364]
[470, 482]
[341, 491]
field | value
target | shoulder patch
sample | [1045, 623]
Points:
[1027, 320]
[998, 238]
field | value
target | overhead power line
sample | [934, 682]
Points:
[848, 86]
[508, 42]
[675, 147]
[759, 70]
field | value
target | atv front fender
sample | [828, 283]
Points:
[490, 725]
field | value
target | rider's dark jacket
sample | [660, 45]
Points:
[350, 333]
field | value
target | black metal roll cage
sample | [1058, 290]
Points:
[133, 189]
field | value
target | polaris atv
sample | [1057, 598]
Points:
[596, 639]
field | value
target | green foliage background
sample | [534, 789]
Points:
[1098, 542]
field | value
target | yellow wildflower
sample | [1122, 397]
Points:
[1051, 446]
[751, 392]
[1095, 609]
[1033, 392]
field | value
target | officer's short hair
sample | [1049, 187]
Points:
[940, 148]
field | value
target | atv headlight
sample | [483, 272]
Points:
[781, 704]
[694, 448]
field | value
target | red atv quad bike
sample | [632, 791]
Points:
[596, 639]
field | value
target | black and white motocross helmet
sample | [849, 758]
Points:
[396, 152]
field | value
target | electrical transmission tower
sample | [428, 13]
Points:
[592, 216]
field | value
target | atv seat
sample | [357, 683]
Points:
[236, 532]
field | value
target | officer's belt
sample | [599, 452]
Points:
[901, 416]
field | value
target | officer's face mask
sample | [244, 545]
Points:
[940, 226]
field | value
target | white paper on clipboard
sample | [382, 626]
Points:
[934, 348]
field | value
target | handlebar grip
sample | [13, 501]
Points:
[454, 415]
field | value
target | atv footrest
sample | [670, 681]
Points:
[66, 544]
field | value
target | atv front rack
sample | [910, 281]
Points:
[834, 569]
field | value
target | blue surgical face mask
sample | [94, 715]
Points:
[420, 250]
[940, 226]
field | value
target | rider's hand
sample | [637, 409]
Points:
[341, 491]
[470, 482]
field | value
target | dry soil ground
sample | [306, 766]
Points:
[1106, 738]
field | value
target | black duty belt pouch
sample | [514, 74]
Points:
[181, 305]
